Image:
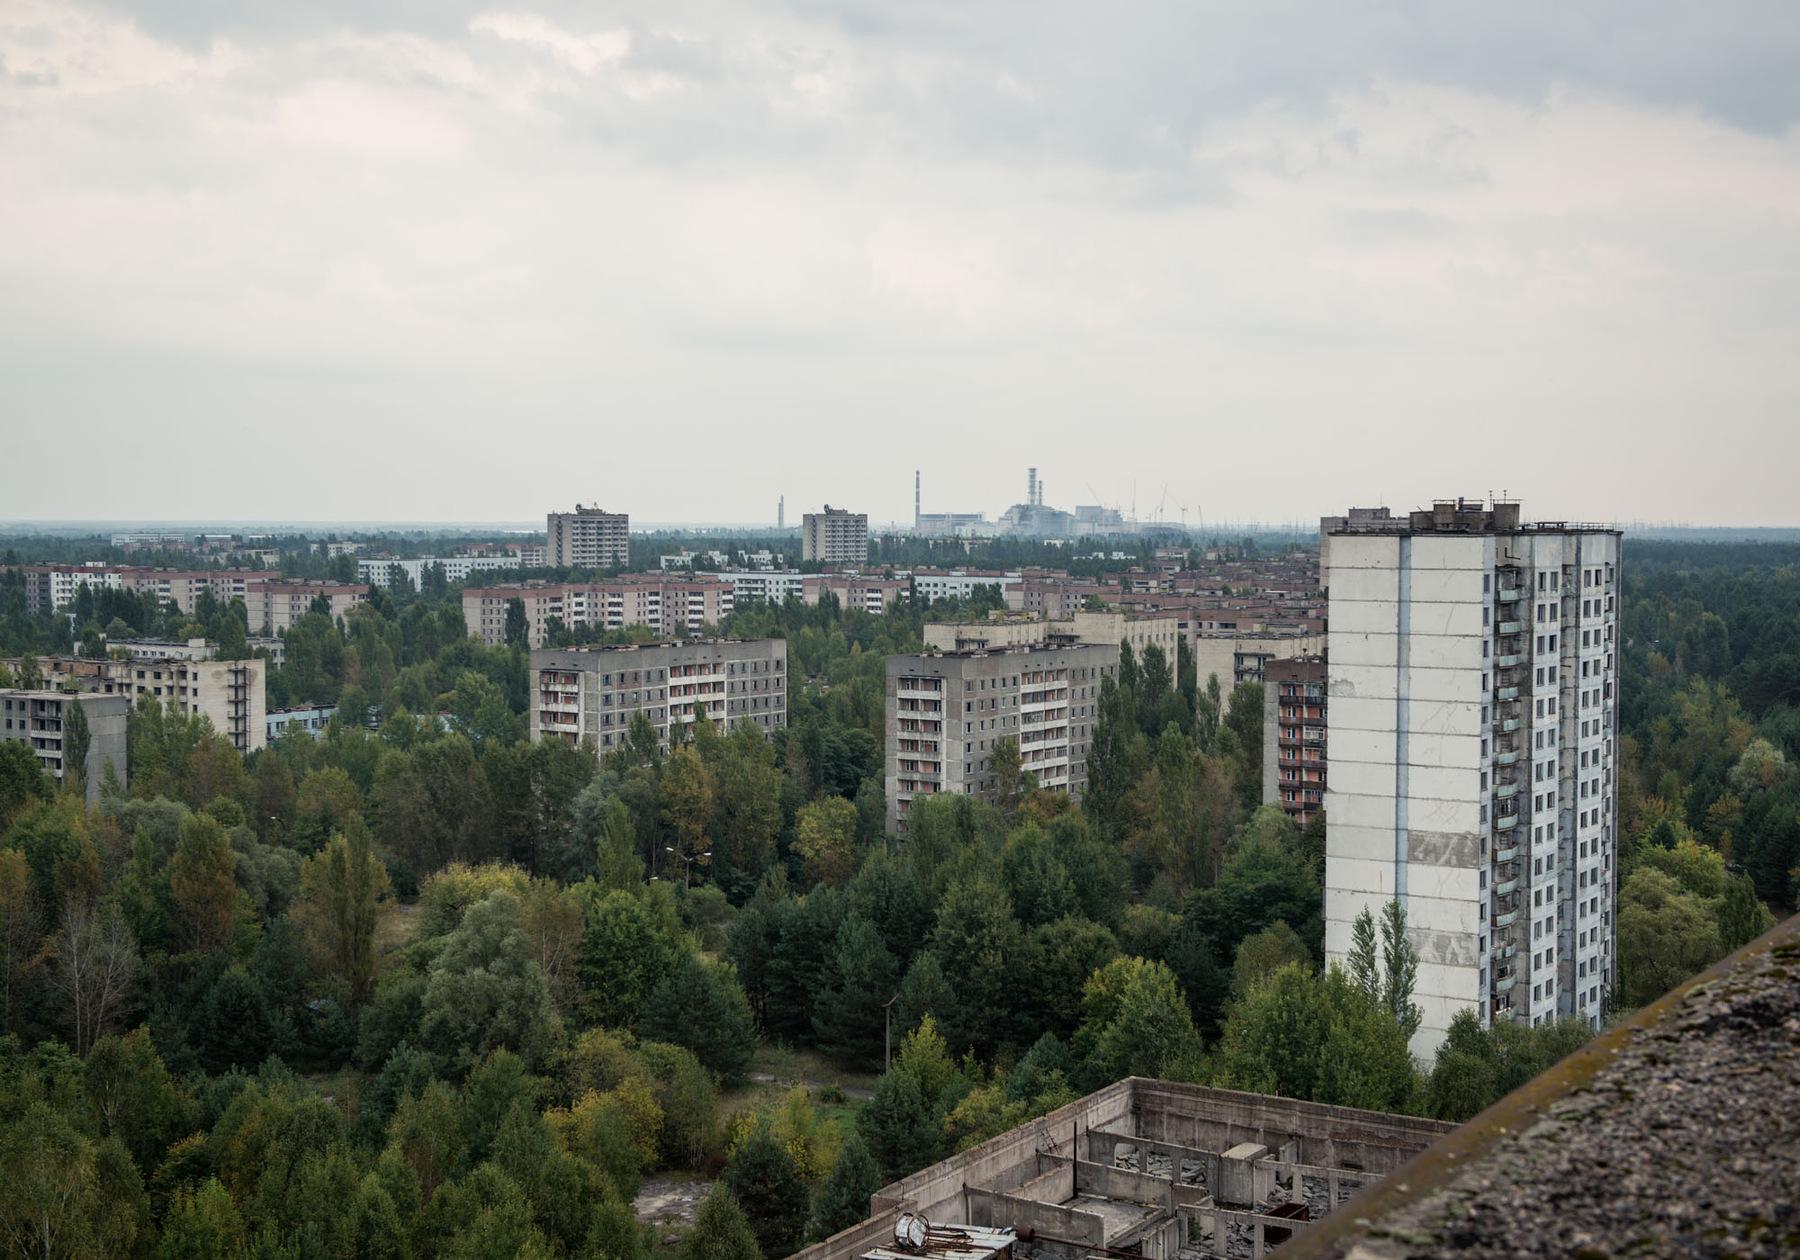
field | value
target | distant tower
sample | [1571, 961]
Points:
[1031, 491]
[915, 498]
[781, 512]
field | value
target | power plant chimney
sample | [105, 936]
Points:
[1031, 490]
[781, 512]
[915, 498]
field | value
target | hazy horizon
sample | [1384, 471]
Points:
[384, 261]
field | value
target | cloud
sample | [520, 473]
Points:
[812, 240]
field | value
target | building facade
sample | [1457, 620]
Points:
[41, 719]
[946, 710]
[835, 536]
[1241, 656]
[384, 573]
[588, 538]
[592, 694]
[314, 720]
[1294, 726]
[229, 694]
[935, 584]
[668, 605]
[1473, 685]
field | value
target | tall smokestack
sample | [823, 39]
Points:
[1031, 486]
[915, 498]
[781, 512]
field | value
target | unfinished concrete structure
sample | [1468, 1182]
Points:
[1152, 1169]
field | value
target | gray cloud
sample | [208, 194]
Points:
[468, 259]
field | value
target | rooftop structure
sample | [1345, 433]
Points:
[995, 631]
[1151, 1169]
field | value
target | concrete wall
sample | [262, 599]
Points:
[1122, 1183]
[1218, 1119]
[1005, 1211]
[937, 1191]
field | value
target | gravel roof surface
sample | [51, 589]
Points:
[1678, 1136]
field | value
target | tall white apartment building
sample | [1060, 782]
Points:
[946, 710]
[1473, 683]
[835, 536]
[588, 538]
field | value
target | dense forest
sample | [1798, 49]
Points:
[424, 988]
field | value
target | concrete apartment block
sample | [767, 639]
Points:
[592, 694]
[946, 710]
[41, 719]
[588, 538]
[1472, 723]
[835, 536]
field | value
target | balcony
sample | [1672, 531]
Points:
[1511, 627]
[1507, 725]
[1508, 855]
[1505, 886]
[1510, 661]
[1506, 791]
[1506, 919]
[1509, 594]
[1504, 984]
[1508, 758]
[1507, 693]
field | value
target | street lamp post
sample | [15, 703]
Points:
[688, 863]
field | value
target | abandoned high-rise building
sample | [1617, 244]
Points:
[947, 710]
[1472, 729]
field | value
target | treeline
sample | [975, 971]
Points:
[1709, 792]
[424, 988]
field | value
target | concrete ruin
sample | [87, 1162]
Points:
[1150, 1169]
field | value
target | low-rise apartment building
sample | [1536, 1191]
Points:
[314, 720]
[229, 694]
[41, 719]
[592, 694]
[667, 604]
[935, 584]
[1234, 656]
[1294, 713]
[384, 573]
[276, 607]
[946, 710]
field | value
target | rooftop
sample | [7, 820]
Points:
[1674, 1133]
[1148, 1168]
[1455, 516]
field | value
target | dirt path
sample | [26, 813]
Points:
[855, 1093]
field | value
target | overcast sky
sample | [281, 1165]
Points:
[431, 259]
